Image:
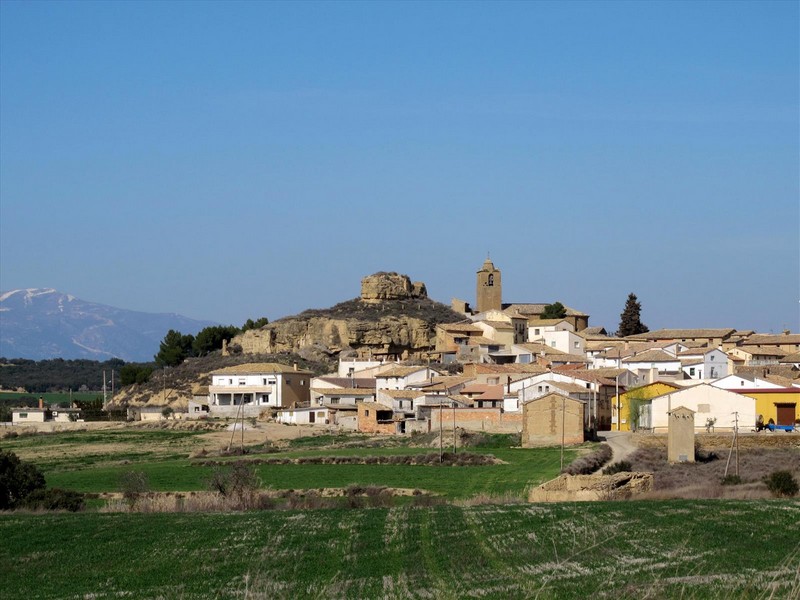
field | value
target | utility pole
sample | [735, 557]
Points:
[563, 420]
[105, 400]
[734, 442]
[619, 416]
[441, 438]
[454, 426]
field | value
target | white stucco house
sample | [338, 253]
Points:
[707, 363]
[725, 408]
[399, 377]
[255, 387]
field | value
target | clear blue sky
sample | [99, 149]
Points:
[234, 160]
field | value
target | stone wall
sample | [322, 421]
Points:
[709, 441]
[490, 420]
[591, 488]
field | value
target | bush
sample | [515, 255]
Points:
[18, 479]
[55, 499]
[239, 481]
[782, 483]
[622, 466]
[590, 463]
[133, 484]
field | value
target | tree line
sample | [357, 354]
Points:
[177, 347]
[56, 374]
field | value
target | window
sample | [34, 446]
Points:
[552, 344]
[493, 380]
[490, 282]
[334, 400]
[540, 388]
[711, 357]
[23, 415]
[264, 380]
[366, 413]
[691, 371]
[288, 381]
[242, 381]
[536, 332]
[230, 381]
[302, 382]
[576, 344]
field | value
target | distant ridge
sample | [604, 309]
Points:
[41, 323]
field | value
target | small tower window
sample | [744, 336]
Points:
[491, 280]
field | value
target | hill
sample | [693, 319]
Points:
[44, 323]
[393, 318]
[174, 386]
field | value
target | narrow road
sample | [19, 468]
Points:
[621, 444]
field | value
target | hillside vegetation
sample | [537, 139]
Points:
[425, 309]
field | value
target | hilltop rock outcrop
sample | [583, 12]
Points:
[390, 286]
[393, 317]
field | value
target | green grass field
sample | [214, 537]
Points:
[675, 549]
[94, 461]
[51, 397]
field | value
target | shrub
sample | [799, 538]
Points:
[133, 485]
[622, 466]
[782, 483]
[238, 482]
[55, 499]
[18, 479]
[731, 480]
[591, 462]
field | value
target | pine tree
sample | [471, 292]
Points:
[630, 322]
[554, 311]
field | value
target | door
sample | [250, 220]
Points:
[785, 414]
[311, 416]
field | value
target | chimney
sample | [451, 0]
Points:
[41, 403]
[295, 366]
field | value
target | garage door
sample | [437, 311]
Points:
[785, 414]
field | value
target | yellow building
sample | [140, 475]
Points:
[780, 404]
[620, 410]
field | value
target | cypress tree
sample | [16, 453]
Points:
[630, 322]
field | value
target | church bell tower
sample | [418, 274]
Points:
[489, 290]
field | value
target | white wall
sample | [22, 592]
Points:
[708, 402]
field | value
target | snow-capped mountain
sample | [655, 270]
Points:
[45, 323]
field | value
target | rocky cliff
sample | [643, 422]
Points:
[393, 317]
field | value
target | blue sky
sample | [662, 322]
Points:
[235, 160]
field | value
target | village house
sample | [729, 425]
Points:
[553, 419]
[654, 364]
[309, 415]
[251, 388]
[755, 356]
[621, 405]
[399, 377]
[744, 381]
[703, 363]
[44, 414]
[712, 338]
[713, 407]
[778, 405]
[374, 417]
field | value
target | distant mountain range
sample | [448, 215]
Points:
[45, 323]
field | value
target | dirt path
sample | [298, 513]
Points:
[621, 443]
